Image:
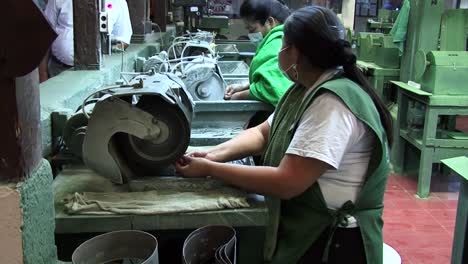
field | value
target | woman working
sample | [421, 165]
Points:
[325, 151]
[263, 20]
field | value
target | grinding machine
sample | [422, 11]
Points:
[134, 129]
[196, 59]
[125, 138]
[193, 15]
[379, 58]
[384, 23]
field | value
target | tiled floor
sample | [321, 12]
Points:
[420, 230]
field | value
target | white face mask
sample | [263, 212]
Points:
[295, 74]
[292, 66]
[256, 37]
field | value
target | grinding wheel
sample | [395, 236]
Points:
[202, 80]
[211, 89]
[420, 64]
[146, 157]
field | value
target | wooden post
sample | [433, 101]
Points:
[20, 150]
[139, 16]
[160, 13]
[87, 40]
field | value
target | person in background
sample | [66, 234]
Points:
[264, 22]
[393, 4]
[60, 16]
[325, 152]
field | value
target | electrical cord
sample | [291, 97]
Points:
[160, 34]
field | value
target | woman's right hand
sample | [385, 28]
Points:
[193, 167]
[213, 155]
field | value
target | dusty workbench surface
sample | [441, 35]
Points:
[80, 179]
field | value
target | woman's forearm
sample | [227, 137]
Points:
[249, 142]
[262, 180]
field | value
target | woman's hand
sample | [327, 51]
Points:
[192, 167]
[235, 88]
[213, 155]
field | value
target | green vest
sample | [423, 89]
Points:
[295, 224]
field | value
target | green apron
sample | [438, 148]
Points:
[295, 224]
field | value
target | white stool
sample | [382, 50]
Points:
[390, 255]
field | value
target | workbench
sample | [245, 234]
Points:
[433, 142]
[249, 222]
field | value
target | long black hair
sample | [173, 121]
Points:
[319, 35]
[260, 10]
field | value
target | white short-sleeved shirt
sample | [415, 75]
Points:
[120, 25]
[60, 16]
[330, 132]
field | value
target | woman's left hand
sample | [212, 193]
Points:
[192, 167]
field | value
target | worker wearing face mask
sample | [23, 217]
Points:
[264, 21]
[324, 163]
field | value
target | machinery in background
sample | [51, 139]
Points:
[192, 44]
[196, 15]
[200, 74]
[204, 42]
[442, 72]
[193, 15]
[384, 23]
[236, 50]
[438, 73]
[379, 57]
[195, 59]
[428, 106]
[379, 49]
[190, 12]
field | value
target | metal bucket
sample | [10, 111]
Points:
[118, 247]
[214, 244]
